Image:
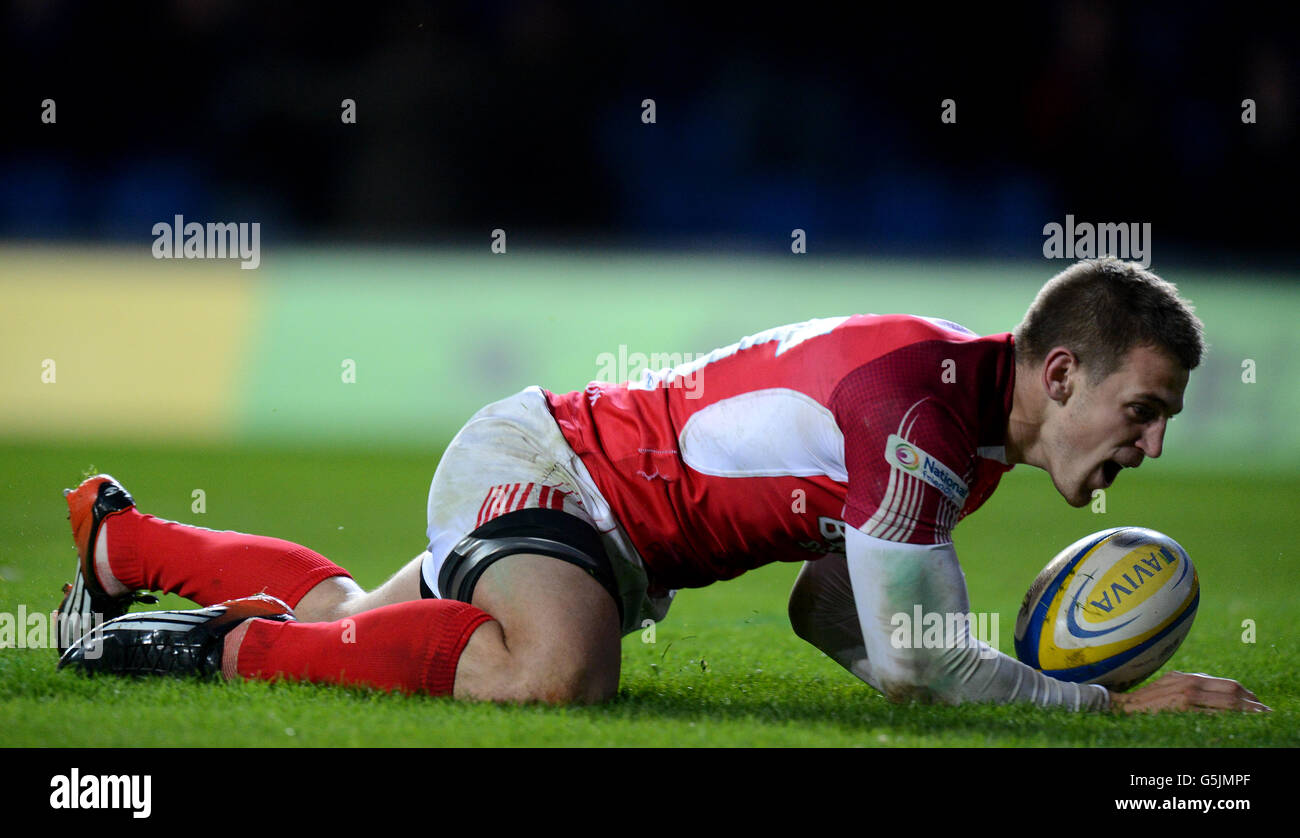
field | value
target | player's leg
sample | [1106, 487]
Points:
[122, 552]
[555, 637]
[339, 596]
[554, 633]
[502, 485]
[516, 570]
[125, 550]
[539, 629]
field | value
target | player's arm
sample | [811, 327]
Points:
[905, 487]
[823, 611]
[890, 578]
[908, 446]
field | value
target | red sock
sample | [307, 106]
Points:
[210, 566]
[411, 646]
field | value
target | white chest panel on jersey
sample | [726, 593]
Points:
[775, 432]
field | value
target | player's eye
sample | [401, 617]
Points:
[1142, 413]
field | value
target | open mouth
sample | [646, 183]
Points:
[1109, 471]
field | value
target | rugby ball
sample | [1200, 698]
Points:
[1110, 609]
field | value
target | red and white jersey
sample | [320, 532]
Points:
[763, 450]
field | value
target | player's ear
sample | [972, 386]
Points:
[1060, 370]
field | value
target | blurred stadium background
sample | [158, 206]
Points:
[202, 351]
[669, 237]
[622, 236]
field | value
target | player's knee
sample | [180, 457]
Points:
[331, 599]
[566, 681]
[524, 673]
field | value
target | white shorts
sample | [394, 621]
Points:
[510, 456]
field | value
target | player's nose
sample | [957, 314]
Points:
[1152, 440]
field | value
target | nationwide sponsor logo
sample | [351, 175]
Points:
[900, 453]
[907, 457]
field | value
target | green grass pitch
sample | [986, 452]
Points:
[724, 668]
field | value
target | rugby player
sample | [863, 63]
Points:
[557, 523]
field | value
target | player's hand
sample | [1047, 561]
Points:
[1188, 691]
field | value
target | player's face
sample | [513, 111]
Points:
[1115, 423]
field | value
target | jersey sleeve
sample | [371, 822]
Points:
[908, 451]
[894, 582]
